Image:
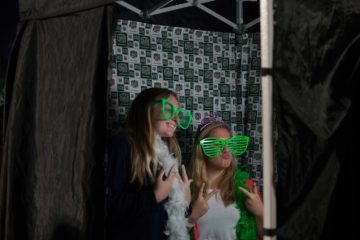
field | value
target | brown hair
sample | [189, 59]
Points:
[225, 182]
[139, 132]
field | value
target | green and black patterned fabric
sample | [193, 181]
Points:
[212, 73]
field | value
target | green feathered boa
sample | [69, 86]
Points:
[245, 227]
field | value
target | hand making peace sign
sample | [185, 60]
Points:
[200, 204]
[253, 201]
[185, 182]
[163, 187]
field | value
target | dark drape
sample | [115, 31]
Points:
[52, 179]
[39, 9]
[316, 84]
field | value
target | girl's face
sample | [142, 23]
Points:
[223, 160]
[161, 126]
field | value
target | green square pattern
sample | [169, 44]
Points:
[212, 73]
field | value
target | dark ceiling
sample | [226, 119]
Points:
[9, 17]
[193, 17]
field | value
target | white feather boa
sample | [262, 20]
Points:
[176, 206]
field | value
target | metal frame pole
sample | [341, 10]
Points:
[267, 32]
[239, 12]
[212, 13]
[172, 8]
[130, 7]
[252, 23]
[239, 27]
[160, 5]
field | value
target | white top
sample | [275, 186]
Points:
[219, 223]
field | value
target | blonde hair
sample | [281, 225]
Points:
[140, 134]
[225, 182]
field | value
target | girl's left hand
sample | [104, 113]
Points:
[253, 201]
[186, 183]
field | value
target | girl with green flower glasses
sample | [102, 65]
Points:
[225, 202]
[145, 196]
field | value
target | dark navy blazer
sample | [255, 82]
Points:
[131, 213]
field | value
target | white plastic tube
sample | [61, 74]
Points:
[267, 33]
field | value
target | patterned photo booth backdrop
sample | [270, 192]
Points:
[212, 73]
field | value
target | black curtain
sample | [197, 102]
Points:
[52, 178]
[316, 84]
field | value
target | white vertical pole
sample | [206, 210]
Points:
[267, 33]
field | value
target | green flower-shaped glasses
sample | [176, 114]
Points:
[169, 110]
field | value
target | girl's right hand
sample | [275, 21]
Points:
[200, 205]
[253, 202]
[163, 188]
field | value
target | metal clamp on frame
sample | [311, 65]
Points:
[269, 232]
[144, 14]
[266, 72]
[241, 29]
